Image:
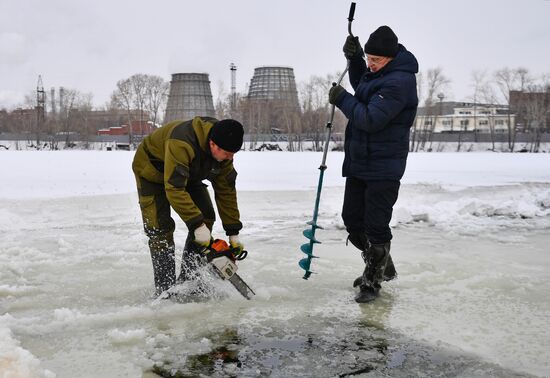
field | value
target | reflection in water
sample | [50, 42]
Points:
[239, 353]
[335, 346]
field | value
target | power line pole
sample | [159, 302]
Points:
[233, 69]
[40, 109]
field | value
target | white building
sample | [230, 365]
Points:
[453, 117]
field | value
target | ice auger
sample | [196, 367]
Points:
[309, 233]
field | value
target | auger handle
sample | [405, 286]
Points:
[350, 18]
[351, 12]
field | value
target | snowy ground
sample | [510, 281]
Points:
[471, 235]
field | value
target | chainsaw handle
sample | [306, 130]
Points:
[240, 256]
[229, 253]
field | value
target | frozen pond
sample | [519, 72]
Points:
[471, 298]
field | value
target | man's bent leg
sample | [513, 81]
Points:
[159, 227]
[380, 196]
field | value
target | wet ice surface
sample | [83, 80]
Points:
[471, 298]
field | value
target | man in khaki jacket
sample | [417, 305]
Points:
[169, 166]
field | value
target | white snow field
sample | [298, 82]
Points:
[471, 246]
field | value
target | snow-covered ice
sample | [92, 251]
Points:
[471, 235]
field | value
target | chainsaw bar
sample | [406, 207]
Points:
[241, 286]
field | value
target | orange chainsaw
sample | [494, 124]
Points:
[223, 258]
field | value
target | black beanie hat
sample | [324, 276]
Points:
[227, 134]
[382, 42]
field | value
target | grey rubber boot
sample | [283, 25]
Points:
[376, 258]
[164, 268]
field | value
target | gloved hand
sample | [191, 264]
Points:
[202, 236]
[335, 93]
[352, 47]
[235, 243]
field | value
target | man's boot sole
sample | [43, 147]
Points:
[366, 295]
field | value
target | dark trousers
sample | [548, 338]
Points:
[368, 207]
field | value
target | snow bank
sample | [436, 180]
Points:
[55, 174]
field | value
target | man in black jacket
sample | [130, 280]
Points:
[380, 115]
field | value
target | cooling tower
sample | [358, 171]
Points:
[189, 96]
[274, 83]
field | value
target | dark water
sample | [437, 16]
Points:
[335, 350]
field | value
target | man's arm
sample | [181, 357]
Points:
[382, 107]
[178, 157]
[225, 194]
[357, 68]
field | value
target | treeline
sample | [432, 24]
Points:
[143, 98]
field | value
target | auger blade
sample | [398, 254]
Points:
[309, 234]
[305, 264]
[306, 248]
[315, 225]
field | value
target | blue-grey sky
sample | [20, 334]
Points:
[90, 45]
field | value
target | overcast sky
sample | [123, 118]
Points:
[90, 45]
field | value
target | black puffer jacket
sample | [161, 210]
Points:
[380, 116]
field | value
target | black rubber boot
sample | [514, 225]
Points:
[164, 268]
[367, 293]
[389, 273]
[361, 242]
[376, 258]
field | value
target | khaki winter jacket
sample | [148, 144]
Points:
[178, 155]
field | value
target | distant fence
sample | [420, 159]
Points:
[466, 137]
[470, 137]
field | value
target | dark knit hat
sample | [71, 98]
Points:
[382, 42]
[227, 134]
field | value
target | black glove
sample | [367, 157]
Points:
[335, 93]
[352, 47]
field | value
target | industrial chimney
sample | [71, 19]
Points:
[190, 96]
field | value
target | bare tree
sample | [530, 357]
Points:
[435, 82]
[83, 110]
[223, 105]
[537, 108]
[142, 93]
[123, 97]
[66, 104]
[313, 96]
[139, 84]
[156, 97]
[478, 81]
[420, 92]
[29, 121]
[508, 80]
[486, 93]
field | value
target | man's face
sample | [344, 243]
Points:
[220, 154]
[376, 63]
